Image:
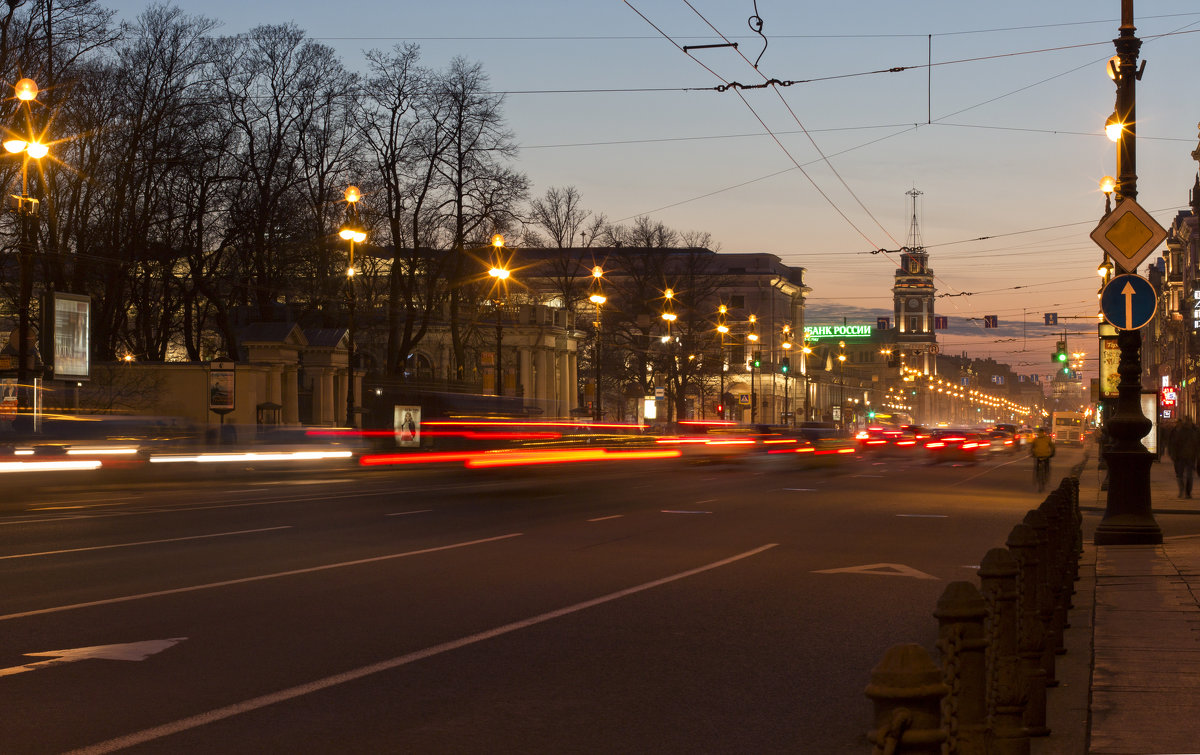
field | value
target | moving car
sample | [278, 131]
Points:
[953, 444]
[888, 440]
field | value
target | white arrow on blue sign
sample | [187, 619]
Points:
[1128, 302]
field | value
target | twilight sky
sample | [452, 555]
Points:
[1005, 145]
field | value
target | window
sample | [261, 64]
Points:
[737, 301]
[914, 324]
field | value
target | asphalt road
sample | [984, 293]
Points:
[652, 608]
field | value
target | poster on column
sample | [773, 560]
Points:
[407, 425]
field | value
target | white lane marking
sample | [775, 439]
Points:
[883, 570]
[683, 511]
[868, 475]
[257, 578]
[145, 542]
[246, 706]
[985, 471]
[149, 507]
[93, 500]
[128, 651]
[606, 518]
[802, 490]
[923, 516]
[406, 513]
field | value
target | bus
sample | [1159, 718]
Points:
[1067, 428]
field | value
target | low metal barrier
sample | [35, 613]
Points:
[997, 644]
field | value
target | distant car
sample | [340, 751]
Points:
[815, 431]
[716, 442]
[950, 445]
[1002, 441]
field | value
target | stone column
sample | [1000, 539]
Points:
[290, 395]
[545, 381]
[570, 382]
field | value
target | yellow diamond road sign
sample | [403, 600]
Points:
[1128, 235]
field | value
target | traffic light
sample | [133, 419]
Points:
[1059, 356]
[721, 411]
[756, 360]
[785, 366]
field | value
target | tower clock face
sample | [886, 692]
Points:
[914, 303]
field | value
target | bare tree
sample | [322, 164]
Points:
[482, 192]
[396, 123]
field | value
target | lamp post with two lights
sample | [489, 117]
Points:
[28, 146]
[597, 298]
[1128, 519]
[353, 233]
[499, 273]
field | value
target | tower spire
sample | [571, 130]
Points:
[914, 230]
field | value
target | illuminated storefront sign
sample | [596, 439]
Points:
[815, 332]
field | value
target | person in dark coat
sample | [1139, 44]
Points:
[1184, 446]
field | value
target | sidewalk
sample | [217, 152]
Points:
[1130, 680]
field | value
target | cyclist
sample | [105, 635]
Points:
[1041, 449]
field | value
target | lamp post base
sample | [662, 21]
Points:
[1128, 519]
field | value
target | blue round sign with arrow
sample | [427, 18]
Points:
[1128, 302]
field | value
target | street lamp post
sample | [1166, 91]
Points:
[598, 299]
[669, 317]
[1128, 519]
[499, 271]
[753, 338]
[353, 233]
[842, 382]
[722, 329]
[805, 351]
[27, 145]
[787, 366]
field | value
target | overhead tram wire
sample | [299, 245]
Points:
[796, 118]
[791, 157]
[634, 37]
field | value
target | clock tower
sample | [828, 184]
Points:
[913, 298]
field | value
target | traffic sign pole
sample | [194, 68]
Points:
[1128, 302]
[1128, 518]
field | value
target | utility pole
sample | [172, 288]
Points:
[1128, 519]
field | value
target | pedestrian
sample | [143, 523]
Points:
[1184, 447]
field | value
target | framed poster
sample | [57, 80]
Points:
[1110, 358]
[406, 421]
[70, 333]
[221, 387]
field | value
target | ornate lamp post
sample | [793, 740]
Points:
[1128, 519]
[28, 146]
[353, 233]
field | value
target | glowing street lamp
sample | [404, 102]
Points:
[500, 275]
[597, 299]
[28, 146]
[352, 233]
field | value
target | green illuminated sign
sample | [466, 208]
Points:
[817, 332]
